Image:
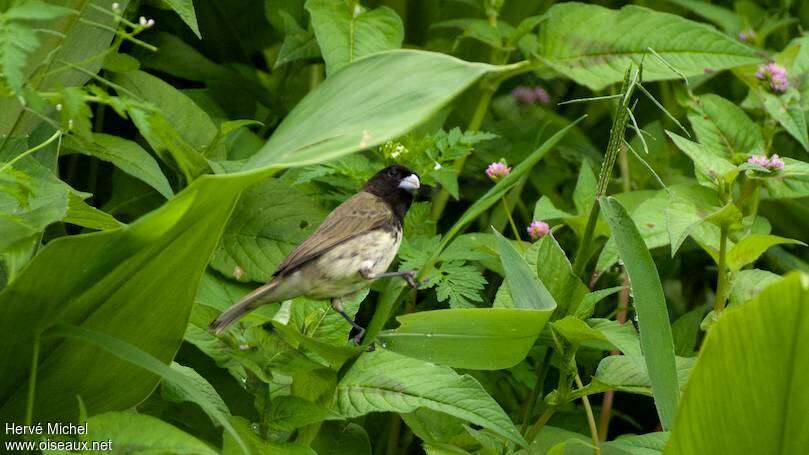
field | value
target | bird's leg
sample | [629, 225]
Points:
[407, 275]
[336, 303]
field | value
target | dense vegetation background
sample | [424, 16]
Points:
[612, 230]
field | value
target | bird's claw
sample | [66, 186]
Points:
[410, 276]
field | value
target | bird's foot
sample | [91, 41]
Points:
[357, 339]
[410, 277]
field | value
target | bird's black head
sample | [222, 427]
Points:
[395, 185]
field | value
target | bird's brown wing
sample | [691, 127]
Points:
[359, 214]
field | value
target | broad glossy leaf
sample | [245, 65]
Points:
[501, 337]
[130, 432]
[787, 110]
[373, 100]
[594, 45]
[650, 305]
[722, 125]
[706, 160]
[384, 381]
[150, 267]
[725, 18]
[749, 248]
[527, 291]
[269, 221]
[602, 333]
[746, 384]
[638, 444]
[347, 31]
[553, 268]
[627, 373]
[748, 283]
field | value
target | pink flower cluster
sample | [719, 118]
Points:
[497, 170]
[528, 95]
[775, 74]
[774, 162]
[538, 229]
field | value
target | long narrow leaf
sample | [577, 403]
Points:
[656, 340]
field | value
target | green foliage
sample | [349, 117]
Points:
[749, 342]
[158, 160]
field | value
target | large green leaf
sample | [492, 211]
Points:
[749, 248]
[269, 221]
[131, 432]
[375, 99]
[650, 304]
[787, 110]
[527, 291]
[722, 125]
[383, 381]
[594, 45]
[747, 384]
[347, 32]
[501, 336]
[136, 283]
[706, 160]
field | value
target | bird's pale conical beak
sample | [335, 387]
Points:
[410, 183]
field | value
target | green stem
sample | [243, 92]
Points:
[394, 430]
[32, 381]
[513, 224]
[540, 371]
[34, 149]
[543, 419]
[722, 280]
[591, 422]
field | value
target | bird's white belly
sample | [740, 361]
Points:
[340, 267]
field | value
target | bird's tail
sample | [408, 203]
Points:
[240, 309]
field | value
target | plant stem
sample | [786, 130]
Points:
[32, 381]
[722, 279]
[393, 434]
[513, 225]
[540, 371]
[543, 419]
[590, 420]
[22, 155]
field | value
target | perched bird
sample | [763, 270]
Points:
[354, 246]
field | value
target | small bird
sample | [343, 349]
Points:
[353, 246]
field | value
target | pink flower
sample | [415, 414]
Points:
[523, 94]
[497, 170]
[542, 95]
[775, 74]
[538, 229]
[528, 95]
[774, 162]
